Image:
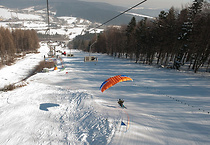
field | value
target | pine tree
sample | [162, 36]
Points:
[195, 8]
[130, 46]
[161, 30]
[183, 38]
[140, 36]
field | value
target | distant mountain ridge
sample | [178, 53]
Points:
[93, 11]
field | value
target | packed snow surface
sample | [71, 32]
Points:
[67, 106]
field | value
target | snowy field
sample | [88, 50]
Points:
[69, 27]
[9, 14]
[67, 107]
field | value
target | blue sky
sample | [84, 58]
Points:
[163, 4]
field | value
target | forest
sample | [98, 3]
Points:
[175, 39]
[15, 43]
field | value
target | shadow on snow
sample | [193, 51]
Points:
[45, 106]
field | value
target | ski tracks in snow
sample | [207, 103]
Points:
[72, 120]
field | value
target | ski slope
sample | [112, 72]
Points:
[66, 107]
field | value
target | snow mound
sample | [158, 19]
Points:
[69, 118]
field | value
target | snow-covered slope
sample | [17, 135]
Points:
[67, 107]
[21, 69]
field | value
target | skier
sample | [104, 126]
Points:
[120, 102]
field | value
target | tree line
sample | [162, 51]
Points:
[174, 39]
[15, 42]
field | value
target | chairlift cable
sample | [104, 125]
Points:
[121, 14]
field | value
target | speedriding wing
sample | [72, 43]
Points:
[114, 80]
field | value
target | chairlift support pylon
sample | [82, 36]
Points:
[91, 58]
[48, 19]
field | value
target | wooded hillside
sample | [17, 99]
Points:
[14, 42]
[174, 39]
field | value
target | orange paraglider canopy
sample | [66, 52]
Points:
[113, 80]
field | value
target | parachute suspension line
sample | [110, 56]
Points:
[121, 13]
[128, 120]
